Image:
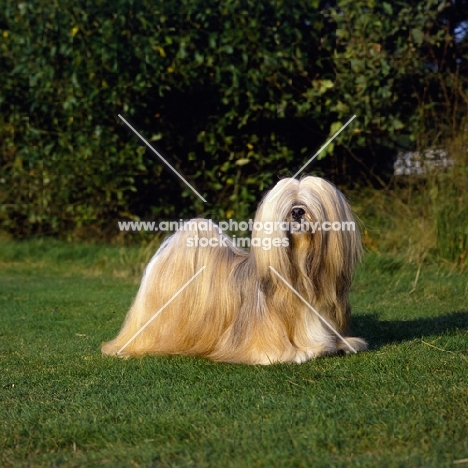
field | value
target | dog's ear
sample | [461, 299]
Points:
[271, 252]
[270, 248]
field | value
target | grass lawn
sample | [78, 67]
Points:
[402, 404]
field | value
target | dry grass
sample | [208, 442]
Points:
[422, 217]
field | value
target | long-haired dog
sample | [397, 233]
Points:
[203, 296]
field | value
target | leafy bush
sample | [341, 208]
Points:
[235, 94]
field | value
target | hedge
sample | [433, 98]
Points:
[235, 94]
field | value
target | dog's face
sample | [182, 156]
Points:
[304, 211]
[294, 207]
[296, 204]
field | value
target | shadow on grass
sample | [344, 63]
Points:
[381, 332]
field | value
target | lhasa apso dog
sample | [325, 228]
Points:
[285, 301]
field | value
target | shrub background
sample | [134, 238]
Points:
[234, 93]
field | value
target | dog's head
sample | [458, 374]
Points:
[315, 224]
[301, 207]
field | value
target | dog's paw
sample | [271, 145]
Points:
[303, 356]
[351, 345]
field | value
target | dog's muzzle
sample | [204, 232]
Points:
[297, 217]
[297, 213]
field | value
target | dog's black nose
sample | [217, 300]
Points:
[297, 213]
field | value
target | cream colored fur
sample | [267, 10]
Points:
[237, 309]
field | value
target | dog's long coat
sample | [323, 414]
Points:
[258, 307]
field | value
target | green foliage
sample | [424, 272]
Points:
[234, 94]
[389, 60]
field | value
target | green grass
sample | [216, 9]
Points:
[402, 404]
